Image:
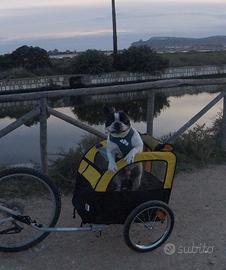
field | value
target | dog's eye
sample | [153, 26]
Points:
[124, 118]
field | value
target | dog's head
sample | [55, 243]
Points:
[117, 122]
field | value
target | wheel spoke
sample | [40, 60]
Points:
[145, 225]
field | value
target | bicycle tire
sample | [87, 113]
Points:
[140, 210]
[52, 188]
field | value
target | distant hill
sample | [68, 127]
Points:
[187, 44]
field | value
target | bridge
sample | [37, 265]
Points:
[76, 81]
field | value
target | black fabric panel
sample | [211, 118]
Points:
[114, 207]
[82, 189]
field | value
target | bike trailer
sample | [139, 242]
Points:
[95, 199]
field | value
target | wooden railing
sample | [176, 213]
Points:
[42, 110]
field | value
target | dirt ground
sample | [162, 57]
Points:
[199, 236]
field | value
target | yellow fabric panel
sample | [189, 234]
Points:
[92, 175]
[83, 165]
[106, 178]
[91, 154]
[169, 157]
[170, 172]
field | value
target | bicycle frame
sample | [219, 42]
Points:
[8, 210]
[40, 227]
[91, 228]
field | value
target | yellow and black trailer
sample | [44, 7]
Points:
[95, 197]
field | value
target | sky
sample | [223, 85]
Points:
[80, 25]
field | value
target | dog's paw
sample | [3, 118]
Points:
[129, 159]
[112, 167]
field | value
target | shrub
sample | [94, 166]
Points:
[140, 59]
[62, 65]
[16, 73]
[25, 62]
[30, 58]
[5, 62]
[91, 62]
[64, 169]
[201, 145]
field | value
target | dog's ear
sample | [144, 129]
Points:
[126, 109]
[108, 110]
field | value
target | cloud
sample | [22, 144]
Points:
[23, 4]
[42, 22]
[60, 35]
[135, 20]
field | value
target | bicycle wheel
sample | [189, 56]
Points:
[32, 194]
[148, 226]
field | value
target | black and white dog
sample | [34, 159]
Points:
[125, 142]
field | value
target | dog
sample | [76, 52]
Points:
[125, 142]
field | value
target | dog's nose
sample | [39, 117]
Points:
[117, 126]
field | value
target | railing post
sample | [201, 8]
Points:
[150, 112]
[43, 135]
[224, 123]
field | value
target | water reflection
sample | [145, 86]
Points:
[90, 109]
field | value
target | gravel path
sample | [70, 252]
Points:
[198, 201]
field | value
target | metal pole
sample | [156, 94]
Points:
[43, 135]
[224, 123]
[115, 42]
[150, 112]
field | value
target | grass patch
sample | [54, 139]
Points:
[201, 146]
[63, 170]
[194, 58]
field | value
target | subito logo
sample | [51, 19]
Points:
[169, 249]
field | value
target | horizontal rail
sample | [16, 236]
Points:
[111, 89]
[76, 123]
[19, 122]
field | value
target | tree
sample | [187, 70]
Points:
[91, 62]
[53, 52]
[30, 58]
[5, 62]
[140, 59]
